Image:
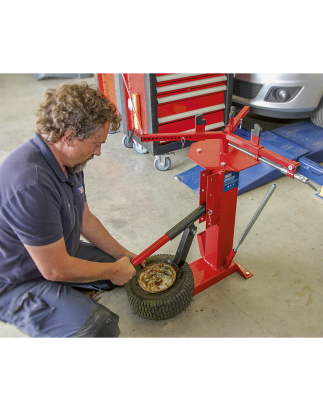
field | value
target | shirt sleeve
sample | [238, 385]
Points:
[33, 213]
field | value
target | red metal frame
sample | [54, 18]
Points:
[212, 151]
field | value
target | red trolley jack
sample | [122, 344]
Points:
[223, 155]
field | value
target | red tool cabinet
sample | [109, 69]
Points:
[167, 103]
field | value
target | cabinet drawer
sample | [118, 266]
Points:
[196, 103]
[189, 123]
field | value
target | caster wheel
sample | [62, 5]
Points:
[127, 141]
[161, 167]
[139, 148]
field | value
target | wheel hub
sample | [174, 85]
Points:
[157, 278]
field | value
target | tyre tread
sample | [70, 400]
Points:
[167, 307]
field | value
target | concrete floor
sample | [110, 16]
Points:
[138, 204]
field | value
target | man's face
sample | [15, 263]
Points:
[83, 151]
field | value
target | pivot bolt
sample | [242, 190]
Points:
[290, 167]
[198, 150]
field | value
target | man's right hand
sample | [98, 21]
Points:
[124, 271]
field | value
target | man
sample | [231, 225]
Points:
[43, 213]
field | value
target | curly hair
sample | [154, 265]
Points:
[79, 107]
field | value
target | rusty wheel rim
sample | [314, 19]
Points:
[157, 278]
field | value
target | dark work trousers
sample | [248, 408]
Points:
[43, 308]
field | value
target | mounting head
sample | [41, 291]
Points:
[232, 112]
[256, 131]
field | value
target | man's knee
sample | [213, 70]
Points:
[89, 252]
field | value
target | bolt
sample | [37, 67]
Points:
[223, 163]
[290, 167]
[194, 232]
[198, 150]
[247, 272]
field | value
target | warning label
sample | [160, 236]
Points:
[231, 180]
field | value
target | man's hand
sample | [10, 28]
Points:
[132, 256]
[124, 271]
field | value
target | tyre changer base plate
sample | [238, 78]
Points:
[157, 278]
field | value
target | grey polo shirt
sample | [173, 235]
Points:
[38, 206]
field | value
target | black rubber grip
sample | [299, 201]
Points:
[186, 222]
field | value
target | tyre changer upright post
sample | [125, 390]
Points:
[223, 155]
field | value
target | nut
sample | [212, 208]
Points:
[198, 150]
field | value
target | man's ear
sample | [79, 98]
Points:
[68, 138]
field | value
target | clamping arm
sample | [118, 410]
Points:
[284, 165]
[251, 148]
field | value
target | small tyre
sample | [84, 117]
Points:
[139, 148]
[161, 167]
[317, 115]
[166, 304]
[127, 141]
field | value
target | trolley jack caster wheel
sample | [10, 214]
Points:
[163, 162]
[139, 148]
[127, 141]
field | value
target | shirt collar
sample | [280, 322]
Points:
[50, 158]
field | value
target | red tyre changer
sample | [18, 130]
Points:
[223, 155]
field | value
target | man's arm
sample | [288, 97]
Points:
[55, 264]
[94, 232]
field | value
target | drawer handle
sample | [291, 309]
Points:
[191, 84]
[191, 94]
[169, 77]
[190, 113]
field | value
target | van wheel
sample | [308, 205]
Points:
[317, 115]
